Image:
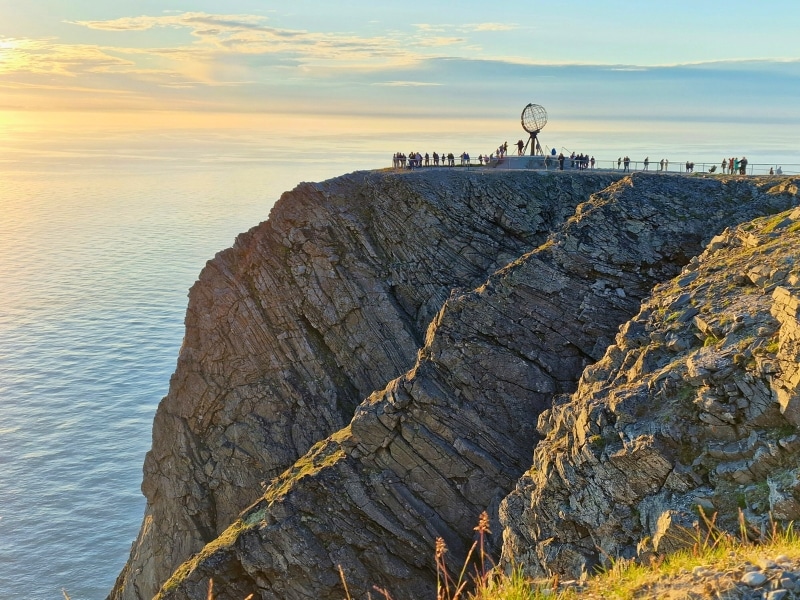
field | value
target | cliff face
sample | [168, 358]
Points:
[447, 438]
[310, 312]
[694, 407]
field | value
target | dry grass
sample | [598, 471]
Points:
[716, 552]
[662, 577]
[710, 548]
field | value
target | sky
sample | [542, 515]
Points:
[349, 67]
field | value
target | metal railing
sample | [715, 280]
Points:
[692, 167]
[551, 163]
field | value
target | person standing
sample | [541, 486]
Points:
[646, 162]
[561, 161]
[723, 165]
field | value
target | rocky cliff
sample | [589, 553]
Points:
[418, 326]
[695, 407]
[310, 312]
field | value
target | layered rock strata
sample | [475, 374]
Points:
[694, 408]
[447, 440]
[308, 313]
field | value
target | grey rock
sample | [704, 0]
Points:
[691, 439]
[331, 330]
[754, 579]
[310, 312]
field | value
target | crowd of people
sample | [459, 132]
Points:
[577, 161]
[415, 160]
[735, 166]
[580, 161]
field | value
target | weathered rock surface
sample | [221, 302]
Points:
[448, 439]
[289, 330]
[694, 407]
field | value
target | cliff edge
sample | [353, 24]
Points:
[458, 305]
[304, 317]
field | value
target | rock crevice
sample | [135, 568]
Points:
[693, 408]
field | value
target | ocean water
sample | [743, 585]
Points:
[95, 265]
[101, 237]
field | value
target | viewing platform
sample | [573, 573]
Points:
[550, 163]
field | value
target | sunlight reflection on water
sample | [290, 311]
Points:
[95, 268]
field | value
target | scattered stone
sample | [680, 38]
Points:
[754, 579]
[700, 571]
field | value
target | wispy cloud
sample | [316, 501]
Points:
[189, 19]
[464, 28]
[439, 41]
[240, 62]
[251, 34]
[48, 57]
[225, 52]
[407, 83]
[492, 27]
[429, 28]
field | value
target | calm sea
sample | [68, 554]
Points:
[99, 244]
[95, 265]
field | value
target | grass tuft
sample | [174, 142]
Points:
[711, 549]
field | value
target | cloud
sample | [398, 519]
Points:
[244, 62]
[142, 23]
[438, 42]
[428, 28]
[492, 27]
[47, 57]
[407, 83]
[465, 28]
[252, 35]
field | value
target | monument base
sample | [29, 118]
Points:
[526, 162]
